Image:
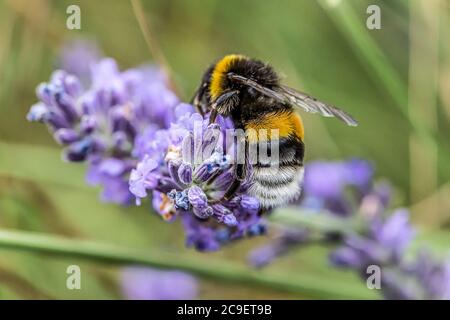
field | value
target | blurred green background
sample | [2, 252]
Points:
[395, 81]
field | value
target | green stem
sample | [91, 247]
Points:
[224, 271]
[316, 221]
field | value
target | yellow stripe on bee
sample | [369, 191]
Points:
[287, 124]
[219, 74]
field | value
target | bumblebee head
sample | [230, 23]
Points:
[223, 95]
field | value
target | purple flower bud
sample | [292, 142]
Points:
[223, 180]
[66, 136]
[230, 220]
[173, 168]
[72, 86]
[249, 203]
[203, 213]
[202, 173]
[88, 124]
[78, 151]
[89, 103]
[121, 121]
[220, 210]
[185, 173]
[165, 184]
[197, 197]
[44, 94]
[66, 105]
[56, 121]
[223, 215]
[38, 112]
[211, 139]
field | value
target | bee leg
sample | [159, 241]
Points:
[226, 102]
[240, 170]
[213, 114]
[240, 173]
[213, 178]
[199, 109]
[234, 186]
[198, 98]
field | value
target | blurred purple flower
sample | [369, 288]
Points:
[287, 240]
[325, 184]
[383, 243]
[324, 192]
[111, 173]
[433, 276]
[77, 57]
[139, 283]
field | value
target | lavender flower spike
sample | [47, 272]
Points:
[100, 124]
[187, 187]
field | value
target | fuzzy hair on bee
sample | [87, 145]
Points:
[249, 92]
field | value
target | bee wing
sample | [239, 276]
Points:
[264, 90]
[293, 97]
[312, 105]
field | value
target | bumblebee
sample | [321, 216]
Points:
[250, 93]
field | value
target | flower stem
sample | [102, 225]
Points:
[152, 44]
[220, 270]
[314, 220]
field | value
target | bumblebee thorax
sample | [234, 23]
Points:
[240, 65]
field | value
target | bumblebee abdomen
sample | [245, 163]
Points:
[277, 182]
[287, 124]
[274, 192]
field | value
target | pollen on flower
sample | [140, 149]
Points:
[173, 153]
[166, 208]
